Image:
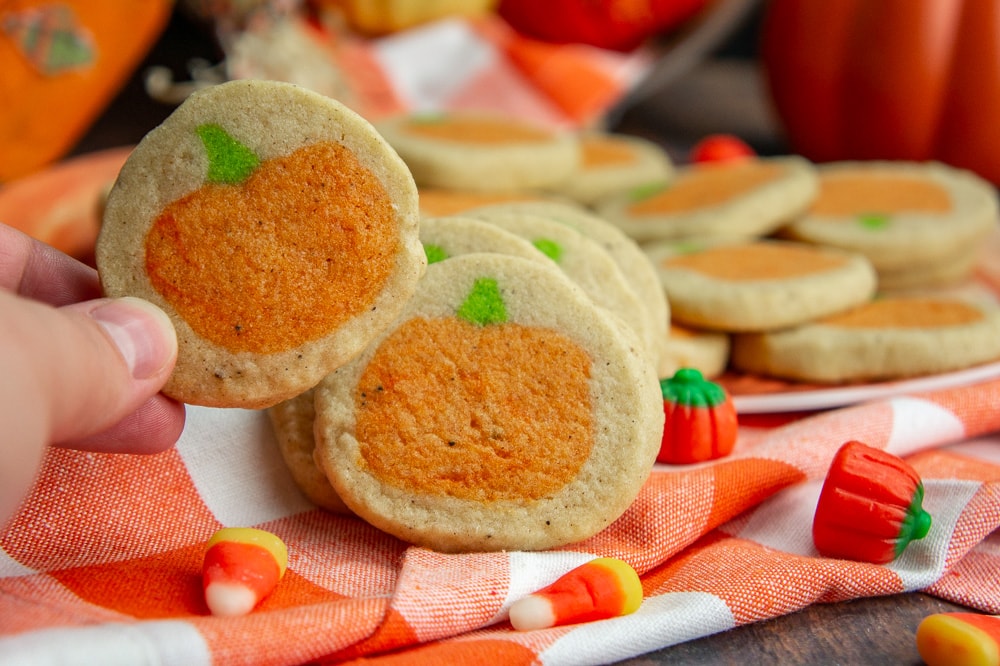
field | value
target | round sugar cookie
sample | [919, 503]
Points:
[481, 152]
[760, 285]
[900, 215]
[888, 338]
[732, 199]
[292, 422]
[503, 411]
[587, 264]
[612, 163]
[275, 227]
[454, 235]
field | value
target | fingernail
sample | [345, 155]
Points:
[142, 332]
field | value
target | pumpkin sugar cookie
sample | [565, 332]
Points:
[587, 264]
[888, 338]
[277, 230]
[454, 235]
[292, 422]
[748, 198]
[906, 217]
[503, 411]
[613, 163]
[761, 285]
[481, 152]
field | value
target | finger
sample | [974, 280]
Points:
[33, 269]
[89, 365]
[154, 427]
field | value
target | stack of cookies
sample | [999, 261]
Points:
[477, 382]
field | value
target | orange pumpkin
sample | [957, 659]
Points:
[60, 65]
[892, 79]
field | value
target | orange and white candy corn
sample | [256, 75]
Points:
[602, 588]
[959, 639]
[242, 566]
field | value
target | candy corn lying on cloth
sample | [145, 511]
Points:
[242, 566]
[105, 556]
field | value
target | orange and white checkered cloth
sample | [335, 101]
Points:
[102, 564]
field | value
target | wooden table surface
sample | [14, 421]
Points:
[865, 631]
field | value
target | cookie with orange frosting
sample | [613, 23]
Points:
[481, 152]
[732, 199]
[888, 338]
[502, 411]
[906, 217]
[277, 229]
[612, 163]
[292, 422]
[633, 263]
[759, 285]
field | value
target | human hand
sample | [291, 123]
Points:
[76, 370]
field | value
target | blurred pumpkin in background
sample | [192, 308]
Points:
[887, 79]
[61, 63]
[609, 24]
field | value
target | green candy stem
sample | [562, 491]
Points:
[484, 305]
[689, 387]
[229, 161]
[916, 524]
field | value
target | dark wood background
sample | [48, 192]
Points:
[720, 94]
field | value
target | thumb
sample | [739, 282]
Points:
[87, 365]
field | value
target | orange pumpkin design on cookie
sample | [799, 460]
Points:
[475, 406]
[308, 209]
[704, 186]
[475, 130]
[871, 198]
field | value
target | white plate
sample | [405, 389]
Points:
[797, 401]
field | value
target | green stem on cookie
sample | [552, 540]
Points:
[229, 161]
[484, 305]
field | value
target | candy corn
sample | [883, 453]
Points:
[242, 566]
[602, 588]
[959, 639]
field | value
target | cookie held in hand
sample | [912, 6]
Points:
[275, 227]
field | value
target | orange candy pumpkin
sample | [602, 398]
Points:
[700, 419]
[893, 79]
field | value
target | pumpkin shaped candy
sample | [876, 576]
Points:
[871, 506]
[275, 227]
[700, 421]
[503, 410]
